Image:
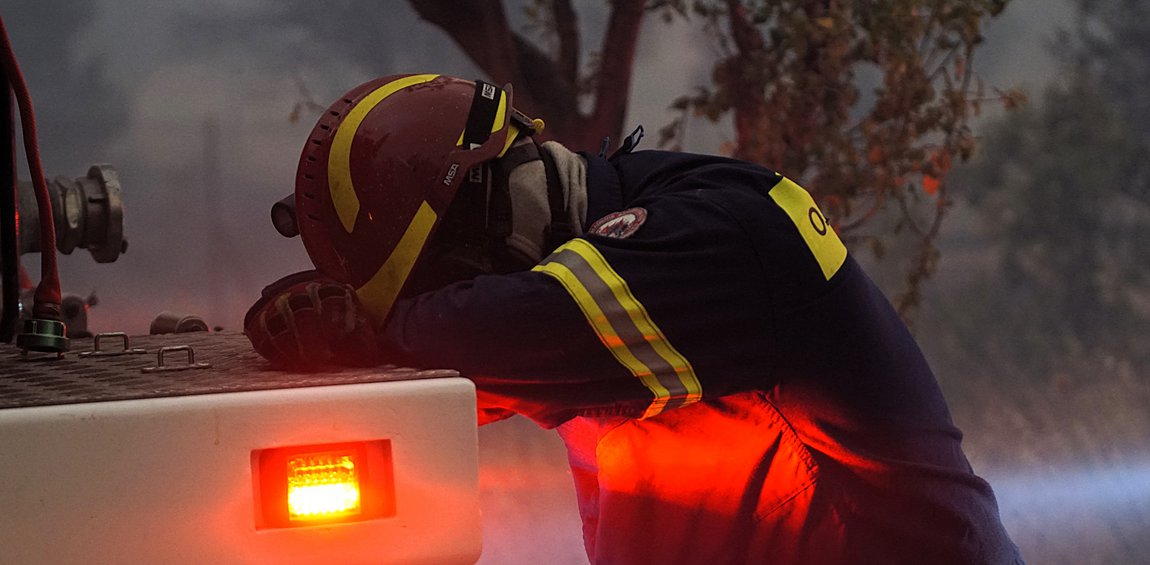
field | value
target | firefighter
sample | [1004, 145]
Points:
[730, 385]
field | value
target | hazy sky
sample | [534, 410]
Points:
[210, 255]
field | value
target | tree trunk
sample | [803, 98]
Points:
[546, 87]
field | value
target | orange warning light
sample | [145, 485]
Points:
[323, 484]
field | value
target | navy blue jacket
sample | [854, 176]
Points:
[719, 294]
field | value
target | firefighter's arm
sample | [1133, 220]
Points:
[519, 327]
[556, 342]
[519, 337]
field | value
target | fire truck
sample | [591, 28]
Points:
[186, 448]
[183, 446]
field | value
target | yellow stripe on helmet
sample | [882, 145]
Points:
[379, 293]
[339, 182]
[496, 124]
[501, 112]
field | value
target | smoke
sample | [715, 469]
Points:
[193, 103]
[136, 83]
[1068, 489]
[1077, 514]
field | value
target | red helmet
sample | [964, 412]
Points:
[382, 166]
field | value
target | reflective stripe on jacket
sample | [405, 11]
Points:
[731, 386]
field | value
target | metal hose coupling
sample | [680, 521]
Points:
[89, 214]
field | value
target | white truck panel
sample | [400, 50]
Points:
[170, 479]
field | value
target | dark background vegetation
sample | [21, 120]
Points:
[1031, 296]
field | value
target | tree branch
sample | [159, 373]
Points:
[480, 29]
[750, 106]
[747, 38]
[542, 90]
[616, 58]
[877, 204]
[568, 32]
[925, 261]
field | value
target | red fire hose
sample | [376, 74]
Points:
[46, 304]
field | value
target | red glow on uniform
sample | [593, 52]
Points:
[729, 475]
[741, 452]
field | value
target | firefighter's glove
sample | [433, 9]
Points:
[546, 186]
[306, 322]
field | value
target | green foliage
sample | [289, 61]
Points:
[792, 75]
[1113, 41]
[1056, 183]
[865, 102]
[1065, 188]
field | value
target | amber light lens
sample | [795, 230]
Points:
[323, 484]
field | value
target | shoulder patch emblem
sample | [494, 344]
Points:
[619, 225]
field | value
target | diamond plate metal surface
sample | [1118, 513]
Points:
[41, 380]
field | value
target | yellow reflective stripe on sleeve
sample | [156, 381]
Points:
[818, 234]
[379, 293]
[339, 181]
[623, 325]
[608, 335]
